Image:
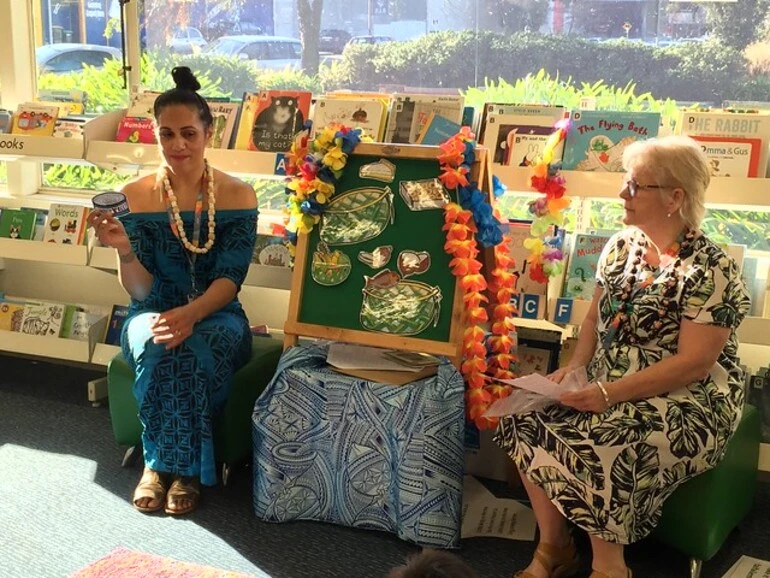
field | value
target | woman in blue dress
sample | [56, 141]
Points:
[183, 253]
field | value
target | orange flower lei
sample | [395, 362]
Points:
[481, 354]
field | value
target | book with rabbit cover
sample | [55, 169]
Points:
[597, 138]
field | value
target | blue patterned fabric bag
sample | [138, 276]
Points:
[341, 449]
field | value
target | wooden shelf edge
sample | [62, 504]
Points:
[103, 258]
[103, 354]
[45, 252]
[584, 184]
[40, 346]
[13, 146]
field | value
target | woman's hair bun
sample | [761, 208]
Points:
[185, 79]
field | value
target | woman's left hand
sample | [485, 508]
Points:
[590, 398]
[174, 326]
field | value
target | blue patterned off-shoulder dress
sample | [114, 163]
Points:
[179, 391]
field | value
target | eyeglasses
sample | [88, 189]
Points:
[634, 187]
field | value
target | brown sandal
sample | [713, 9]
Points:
[152, 485]
[183, 488]
[560, 562]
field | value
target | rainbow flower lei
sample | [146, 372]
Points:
[314, 169]
[546, 258]
[466, 224]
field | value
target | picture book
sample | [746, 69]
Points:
[731, 157]
[69, 127]
[137, 124]
[581, 267]
[6, 121]
[41, 216]
[42, 318]
[367, 114]
[729, 125]
[77, 324]
[246, 118]
[225, 115]
[437, 130]
[597, 138]
[115, 324]
[10, 316]
[409, 113]
[279, 115]
[34, 119]
[17, 224]
[271, 250]
[517, 134]
[66, 224]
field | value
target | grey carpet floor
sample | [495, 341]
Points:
[65, 502]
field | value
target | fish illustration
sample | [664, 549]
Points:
[382, 280]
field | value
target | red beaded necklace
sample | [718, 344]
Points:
[630, 287]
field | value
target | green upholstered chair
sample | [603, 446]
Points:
[702, 512]
[232, 428]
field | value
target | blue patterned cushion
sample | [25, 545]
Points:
[341, 449]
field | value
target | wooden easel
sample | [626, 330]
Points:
[452, 348]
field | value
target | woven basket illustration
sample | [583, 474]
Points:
[357, 215]
[407, 308]
[329, 267]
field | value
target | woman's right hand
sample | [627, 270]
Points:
[558, 375]
[109, 230]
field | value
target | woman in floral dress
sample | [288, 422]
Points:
[665, 392]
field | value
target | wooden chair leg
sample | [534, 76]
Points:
[695, 567]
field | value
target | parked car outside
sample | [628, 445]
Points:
[63, 58]
[274, 52]
[187, 40]
[369, 39]
[333, 40]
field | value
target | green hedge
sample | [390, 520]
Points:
[698, 71]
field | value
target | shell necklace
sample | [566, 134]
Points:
[633, 283]
[193, 247]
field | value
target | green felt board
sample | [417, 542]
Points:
[340, 305]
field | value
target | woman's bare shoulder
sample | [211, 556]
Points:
[233, 193]
[143, 195]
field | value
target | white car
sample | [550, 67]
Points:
[187, 41]
[274, 52]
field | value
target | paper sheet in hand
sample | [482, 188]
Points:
[538, 384]
[350, 356]
[748, 567]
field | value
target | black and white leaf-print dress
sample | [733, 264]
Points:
[610, 473]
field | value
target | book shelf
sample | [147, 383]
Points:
[46, 148]
[103, 354]
[45, 252]
[603, 185]
[54, 347]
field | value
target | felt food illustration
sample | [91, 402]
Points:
[357, 215]
[413, 263]
[329, 268]
[377, 258]
[424, 195]
[382, 170]
[398, 306]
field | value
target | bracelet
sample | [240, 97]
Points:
[128, 257]
[604, 393]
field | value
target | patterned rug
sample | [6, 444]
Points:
[124, 563]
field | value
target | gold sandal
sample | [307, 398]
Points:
[560, 562]
[152, 485]
[597, 574]
[183, 488]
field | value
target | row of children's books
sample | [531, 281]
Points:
[268, 120]
[47, 319]
[58, 113]
[62, 223]
[735, 137]
[736, 143]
